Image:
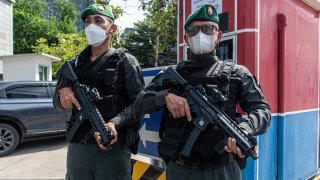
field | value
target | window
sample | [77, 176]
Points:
[28, 92]
[225, 49]
[43, 73]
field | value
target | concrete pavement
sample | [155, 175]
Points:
[42, 159]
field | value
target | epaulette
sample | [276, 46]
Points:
[182, 67]
[120, 52]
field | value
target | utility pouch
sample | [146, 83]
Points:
[109, 77]
[107, 106]
[170, 145]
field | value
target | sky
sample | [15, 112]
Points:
[131, 12]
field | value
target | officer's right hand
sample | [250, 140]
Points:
[67, 98]
[178, 106]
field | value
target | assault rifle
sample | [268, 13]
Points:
[86, 97]
[207, 113]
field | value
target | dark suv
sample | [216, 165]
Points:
[27, 112]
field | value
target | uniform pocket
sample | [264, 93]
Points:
[109, 77]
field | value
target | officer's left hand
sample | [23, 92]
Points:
[232, 147]
[110, 126]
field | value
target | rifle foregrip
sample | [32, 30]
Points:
[186, 150]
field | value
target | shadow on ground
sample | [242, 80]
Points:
[38, 146]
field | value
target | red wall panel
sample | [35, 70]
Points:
[301, 56]
[247, 51]
[268, 34]
[228, 6]
[247, 14]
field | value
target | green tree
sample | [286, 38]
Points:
[68, 46]
[34, 19]
[65, 16]
[161, 16]
[140, 43]
[116, 40]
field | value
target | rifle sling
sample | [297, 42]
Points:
[101, 62]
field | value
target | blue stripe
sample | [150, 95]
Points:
[288, 150]
[267, 156]
[298, 142]
[151, 72]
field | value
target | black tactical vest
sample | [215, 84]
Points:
[108, 84]
[174, 132]
[109, 81]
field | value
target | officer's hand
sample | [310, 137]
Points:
[67, 98]
[232, 147]
[178, 106]
[110, 126]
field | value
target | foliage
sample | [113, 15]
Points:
[34, 19]
[140, 43]
[162, 19]
[65, 15]
[116, 40]
[68, 46]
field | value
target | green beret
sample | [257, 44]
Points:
[207, 12]
[97, 9]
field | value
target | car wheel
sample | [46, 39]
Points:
[9, 139]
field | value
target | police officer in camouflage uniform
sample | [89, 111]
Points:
[235, 82]
[118, 78]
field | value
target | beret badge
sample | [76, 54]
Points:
[209, 11]
[100, 8]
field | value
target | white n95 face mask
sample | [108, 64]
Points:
[95, 35]
[202, 43]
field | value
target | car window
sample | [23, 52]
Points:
[28, 92]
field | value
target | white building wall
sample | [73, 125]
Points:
[17, 70]
[6, 29]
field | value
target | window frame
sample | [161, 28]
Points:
[45, 75]
[43, 85]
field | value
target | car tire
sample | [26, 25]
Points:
[9, 139]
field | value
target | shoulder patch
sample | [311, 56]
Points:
[241, 70]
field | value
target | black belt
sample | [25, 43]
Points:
[206, 163]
